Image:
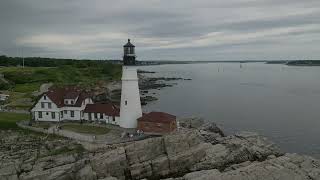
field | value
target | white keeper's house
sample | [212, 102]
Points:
[70, 103]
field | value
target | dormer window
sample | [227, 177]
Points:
[69, 101]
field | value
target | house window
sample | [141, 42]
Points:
[126, 102]
[49, 105]
[101, 116]
[42, 105]
[95, 115]
[61, 113]
[72, 113]
[71, 101]
[40, 114]
[45, 97]
[113, 119]
[47, 113]
[65, 111]
[53, 115]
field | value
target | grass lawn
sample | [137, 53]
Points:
[85, 129]
[19, 100]
[27, 88]
[8, 120]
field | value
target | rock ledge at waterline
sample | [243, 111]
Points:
[199, 151]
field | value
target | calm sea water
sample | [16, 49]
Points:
[278, 101]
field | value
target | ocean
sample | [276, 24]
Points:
[278, 101]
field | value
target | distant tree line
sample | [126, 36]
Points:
[304, 63]
[46, 62]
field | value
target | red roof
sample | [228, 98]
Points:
[159, 117]
[72, 95]
[108, 109]
[58, 94]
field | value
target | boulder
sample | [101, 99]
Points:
[86, 173]
[163, 156]
[212, 128]
[237, 149]
[192, 122]
[177, 143]
[111, 163]
[146, 150]
[8, 172]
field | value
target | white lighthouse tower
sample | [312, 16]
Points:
[130, 107]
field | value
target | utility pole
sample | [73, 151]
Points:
[22, 59]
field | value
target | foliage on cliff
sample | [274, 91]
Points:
[62, 72]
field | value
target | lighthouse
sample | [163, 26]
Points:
[130, 107]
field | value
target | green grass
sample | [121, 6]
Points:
[85, 129]
[43, 125]
[16, 100]
[26, 88]
[8, 120]
[30, 78]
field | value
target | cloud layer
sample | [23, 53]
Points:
[162, 29]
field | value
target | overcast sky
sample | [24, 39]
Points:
[162, 29]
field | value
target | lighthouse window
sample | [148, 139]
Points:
[126, 102]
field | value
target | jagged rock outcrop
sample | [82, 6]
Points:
[154, 157]
[237, 149]
[180, 153]
[196, 153]
[110, 163]
[27, 156]
[287, 167]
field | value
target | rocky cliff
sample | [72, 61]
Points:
[196, 152]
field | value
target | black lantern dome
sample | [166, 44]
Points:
[129, 57]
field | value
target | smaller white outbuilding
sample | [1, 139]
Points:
[4, 97]
[107, 113]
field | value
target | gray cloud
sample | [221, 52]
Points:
[166, 29]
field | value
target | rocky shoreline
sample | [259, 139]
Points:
[199, 150]
[147, 85]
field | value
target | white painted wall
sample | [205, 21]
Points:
[130, 108]
[66, 111]
[46, 111]
[105, 118]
